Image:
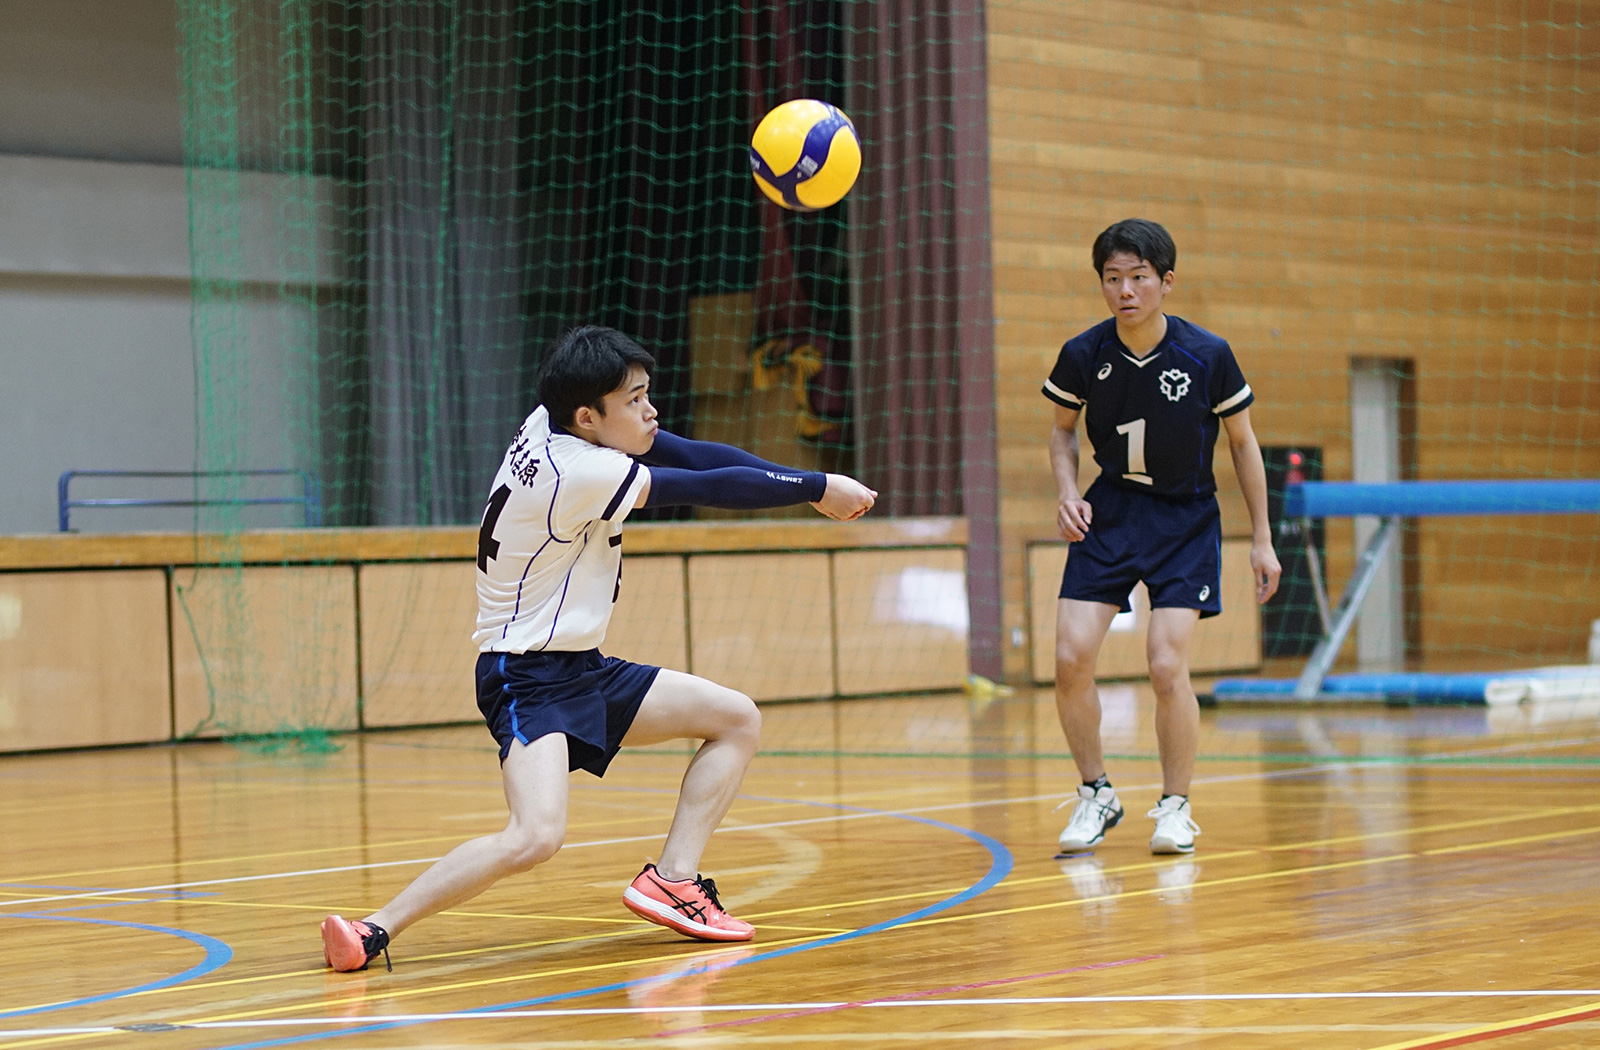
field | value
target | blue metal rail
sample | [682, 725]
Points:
[310, 498]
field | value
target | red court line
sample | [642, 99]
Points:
[909, 996]
[1479, 1035]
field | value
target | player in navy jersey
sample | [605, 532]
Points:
[549, 570]
[1156, 390]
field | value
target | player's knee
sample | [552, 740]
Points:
[1073, 663]
[1169, 670]
[743, 718]
[528, 847]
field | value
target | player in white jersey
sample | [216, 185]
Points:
[549, 569]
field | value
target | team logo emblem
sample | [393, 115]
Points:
[1205, 592]
[1105, 370]
[1174, 384]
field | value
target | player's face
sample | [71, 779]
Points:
[1133, 289]
[629, 422]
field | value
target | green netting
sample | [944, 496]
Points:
[1390, 210]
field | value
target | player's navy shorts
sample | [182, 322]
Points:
[589, 697]
[1174, 546]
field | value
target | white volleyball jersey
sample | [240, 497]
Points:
[550, 544]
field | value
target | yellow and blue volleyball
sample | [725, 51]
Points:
[805, 155]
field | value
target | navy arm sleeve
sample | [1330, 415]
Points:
[670, 450]
[733, 488]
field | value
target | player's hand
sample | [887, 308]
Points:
[1264, 563]
[1073, 517]
[845, 499]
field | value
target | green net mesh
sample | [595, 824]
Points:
[1389, 210]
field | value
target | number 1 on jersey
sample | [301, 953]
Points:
[1134, 428]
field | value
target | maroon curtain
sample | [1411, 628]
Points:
[920, 218]
[924, 342]
[922, 362]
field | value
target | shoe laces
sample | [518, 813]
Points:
[709, 888]
[374, 941]
[1165, 815]
[1088, 808]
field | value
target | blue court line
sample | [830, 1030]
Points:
[218, 955]
[1000, 866]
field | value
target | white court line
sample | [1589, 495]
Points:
[831, 818]
[1050, 1000]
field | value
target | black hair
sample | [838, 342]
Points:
[1147, 240]
[583, 367]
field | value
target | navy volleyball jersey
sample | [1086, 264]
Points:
[1153, 420]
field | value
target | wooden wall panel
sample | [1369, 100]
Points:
[83, 659]
[901, 620]
[1228, 642]
[650, 623]
[1341, 182]
[264, 649]
[417, 653]
[762, 623]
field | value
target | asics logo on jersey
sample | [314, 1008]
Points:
[1205, 592]
[1174, 384]
[1105, 370]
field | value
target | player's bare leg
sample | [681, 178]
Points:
[1177, 711]
[1177, 726]
[682, 706]
[672, 893]
[535, 781]
[534, 777]
[1080, 628]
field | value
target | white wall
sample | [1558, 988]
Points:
[96, 365]
[91, 79]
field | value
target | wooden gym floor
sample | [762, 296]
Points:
[1367, 878]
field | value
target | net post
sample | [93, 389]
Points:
[1327, 650]
[980, 471]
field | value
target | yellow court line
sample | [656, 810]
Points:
[636, 926]
[1498, 1027]
[1233, 880]
[1426, 829]
[1505, 842]
[347, 847]
[479, 983]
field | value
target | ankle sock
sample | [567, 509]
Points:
[1097, 784]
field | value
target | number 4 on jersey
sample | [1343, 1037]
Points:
[488, 546]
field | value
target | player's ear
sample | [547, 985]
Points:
[584, 418]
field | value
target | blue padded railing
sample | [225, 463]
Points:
[1421, 499]
[1393, 501]
[310, 498]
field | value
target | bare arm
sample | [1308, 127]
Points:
[1073, 514]
[1252, 474]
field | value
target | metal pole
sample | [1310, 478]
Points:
[1327, 650]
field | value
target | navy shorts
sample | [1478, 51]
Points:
[1173, 546]
[590, 698]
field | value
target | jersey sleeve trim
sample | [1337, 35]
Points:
[1061, 397]
[1237, 403]
[622, 491]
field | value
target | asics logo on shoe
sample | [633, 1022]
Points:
[693, 910]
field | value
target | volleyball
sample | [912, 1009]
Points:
[805, 155]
